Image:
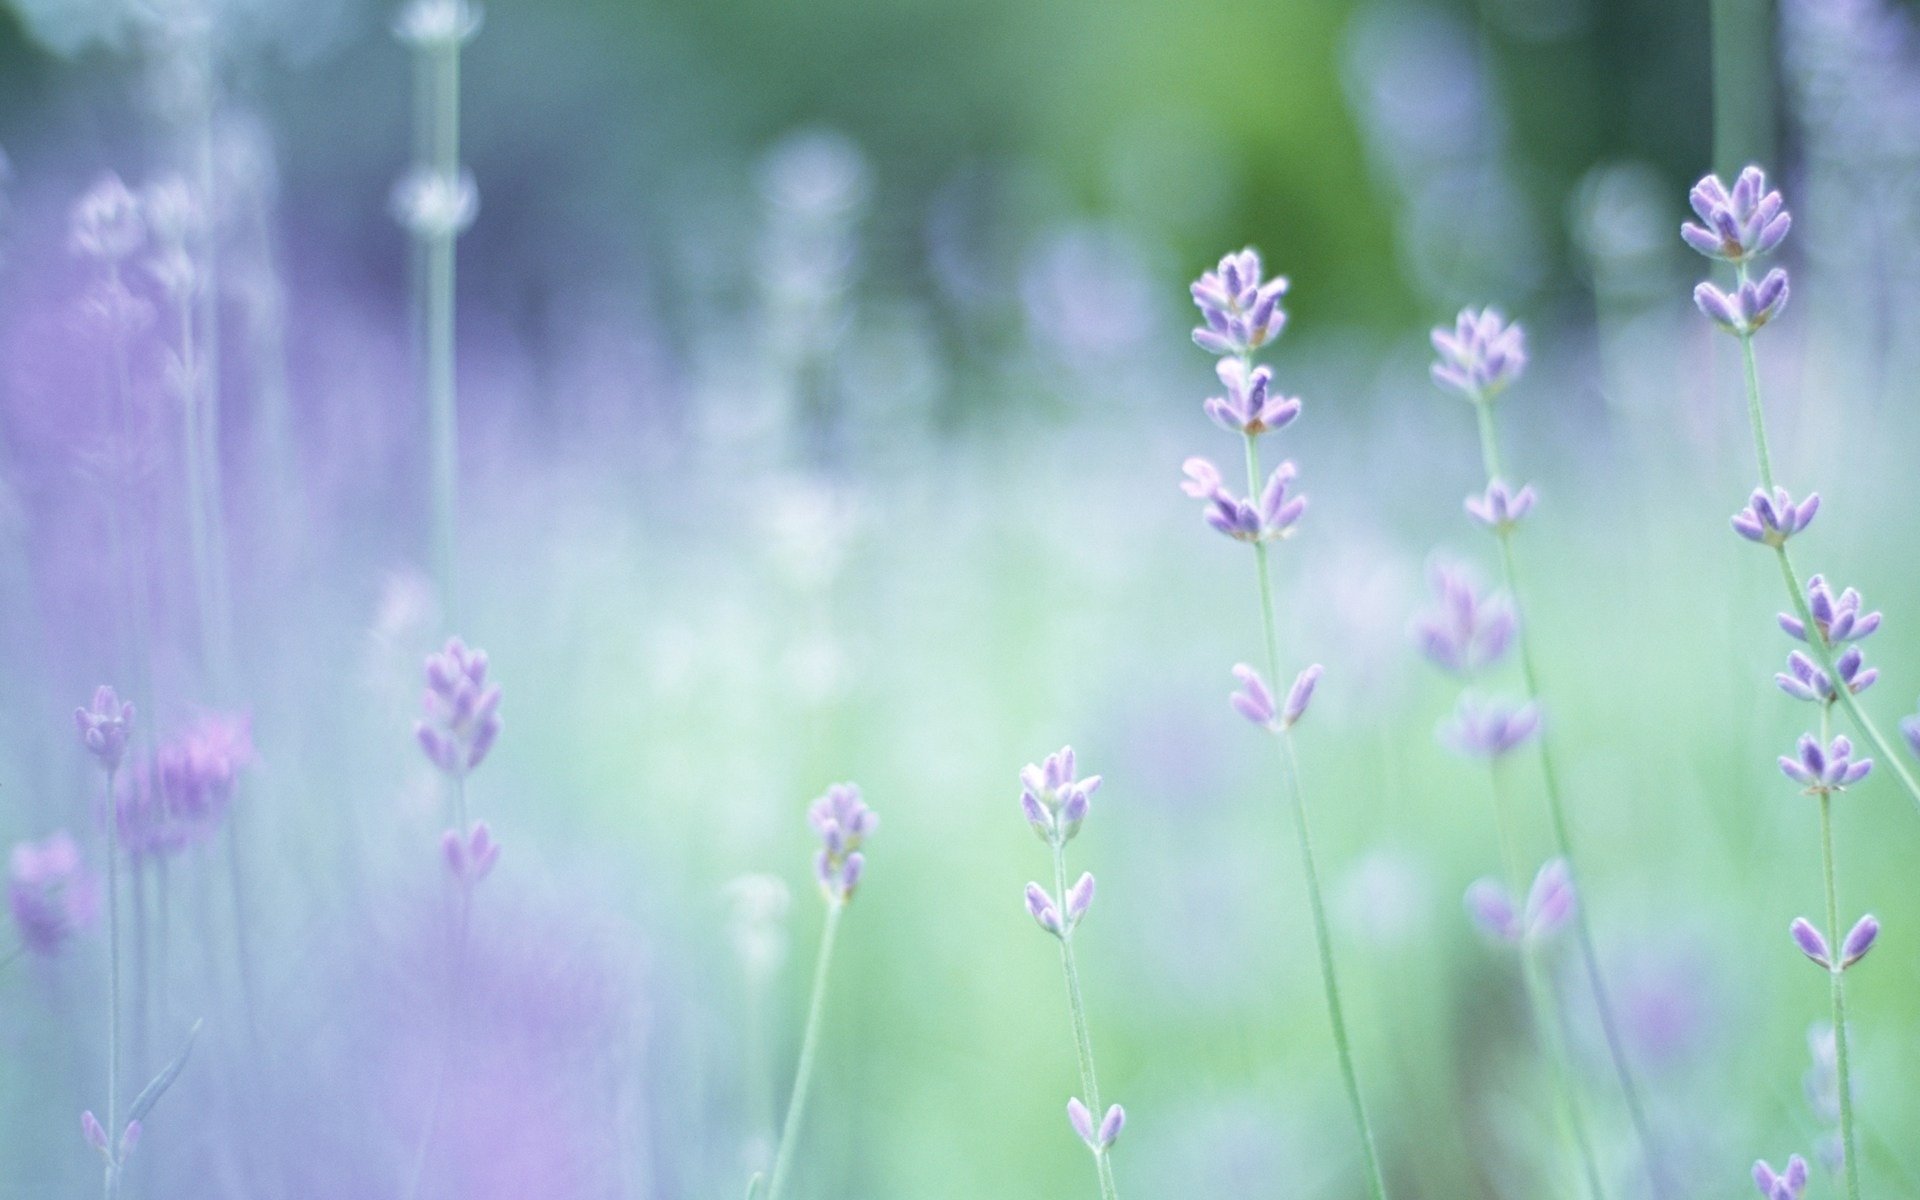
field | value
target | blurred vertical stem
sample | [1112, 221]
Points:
[1836, 971]
[440, 63]
[462, 922]
[1077, 1012]
[111, 1184]
[1540, 995]
[809, 1050]
[1310, 871]
[1742, 83]
[1816, 640]
[1557, 817]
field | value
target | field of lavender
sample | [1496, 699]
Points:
[590, 586]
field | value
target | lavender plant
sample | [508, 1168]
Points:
[1241, 314]
[1738, 226]
[1056, 803]
[51, 894]
[1479, 358]
[843, 822]
[104, 728]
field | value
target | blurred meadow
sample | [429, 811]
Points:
[809, 404]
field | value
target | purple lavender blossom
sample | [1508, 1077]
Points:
[1748, 307]
[1772, 520]
[1500, 508]
[1811, 942]
[104, 726]
[1551, 903]
[1468, 631]
[1481, 355]
[470, 859]
[51, 893]
[1490, 728]
[1255, 701]
[1097, 1140]
[462, 709]
[1300, 695]
[844, 823]
[1241, 311]
[1836, 619]
[1804, 680]
[1052, 917]
[198, 769]
[1053, 801]
[1859, 940]
[1270, 518]
[1825, 771]
[1737, 224]
[1781, 1185]
[1250, 405]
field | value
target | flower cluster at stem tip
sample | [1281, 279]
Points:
[844, 823]
[1737, 226]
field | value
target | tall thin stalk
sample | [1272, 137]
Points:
[809, 1051]
[1836, 973]
[111, 1185]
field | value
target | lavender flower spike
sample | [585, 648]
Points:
[1772, 520]
[104, 726]
[470, 858]
[1490, 729]
[1737, 224]
[462, 709]
[844, 822]
[50, 892]
[1097, 1140]
[1836, 619]
[1467, 631]
[1859, 940]
[1811, 941]
[1250, 405]
[1241, 311]
[1500, 508]
[1481, 355]
[1781, 1185]
[1053, 801]
[1271, 517]
[1825, 771]
[1748, 307]
[1803, 680]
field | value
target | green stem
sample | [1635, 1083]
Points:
[1077, 1012]
[1835, 975]
[809, 1050]
[1296, 802]
[111, 1185]
[1562, 828]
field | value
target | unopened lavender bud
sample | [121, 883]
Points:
[104, 727]
[129, 1139]
[1551, 901]
[1771, 520]
[1811, 941]
[1038, 817]
[1492, 910]
[1110, 1126]
[1041, 908]
[1074, 805]
[1781, 1185]
[1254, 700]
[1079, 899]
[1299, 696]
[1859, 940]
[1910, 730]
[91, 1130]
[1499, 508]
[1082, 1122]
[1490, 729]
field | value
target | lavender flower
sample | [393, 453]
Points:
[1097, 1140]
[1803, 680]
[1255, 702]
[1781, 1185]
[1551, 903]
[106, 224]
[1490, 728]
[470, 858]
[1772, 520]
[1481, 355]
[1825, 771]
[196, 771]
[51, 893]
[1271, 517]
[1053, 801]
[462, 709]
[1500, 508]
[1051, 917]
[1910, 729]
[1250, 405]
[1859, 940]
[104, 727]
[1241, 311]
[1836, 619]
[1748, 307]
[1737, 224]
[844, 823]
[1468, 631]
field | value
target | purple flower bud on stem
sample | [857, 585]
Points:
[1467, 631]
[1500, 508]
[1811, 941]
[1781, 1185]
[1481, 355]
[1739, 223]
[1826, 770]
[1859, 940]
[91, 1130]
[843, 822]
[1772, 520]
[1490, 729]
[1241, 312]
[104, 727]
[1254, 700]
[1300, 695]
[1041, 908]
[1097, 1140]
[1079, 899]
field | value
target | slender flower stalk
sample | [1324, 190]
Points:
[1241, 313]
[844, 823]
[1479, 358]
[104, 727]
[1055, 804]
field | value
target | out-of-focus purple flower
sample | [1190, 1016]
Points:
[1910, 730]
[469, 859]
[106, 223]
[1859, 940]
[1271, 517]
[1772, 520]
[1803, 680]
[1489, 728]
[1053, 801]
[462, 709]
[1481, 355]
[198, 769]
[1826, 770]
[1467, 631]
[1750, 305]
[1251, 406]
[1050, 916]
[1836, 619]
[1097, 1140]
[93, 1132]
[1550, 904]
[1254, 700]
[1300, 695]
[51, 893]
[1500, 508]
[1738, 223]
[104, 726]
[1781, 1185]
[844, 823]
[1241, 312]
[1045, 913]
